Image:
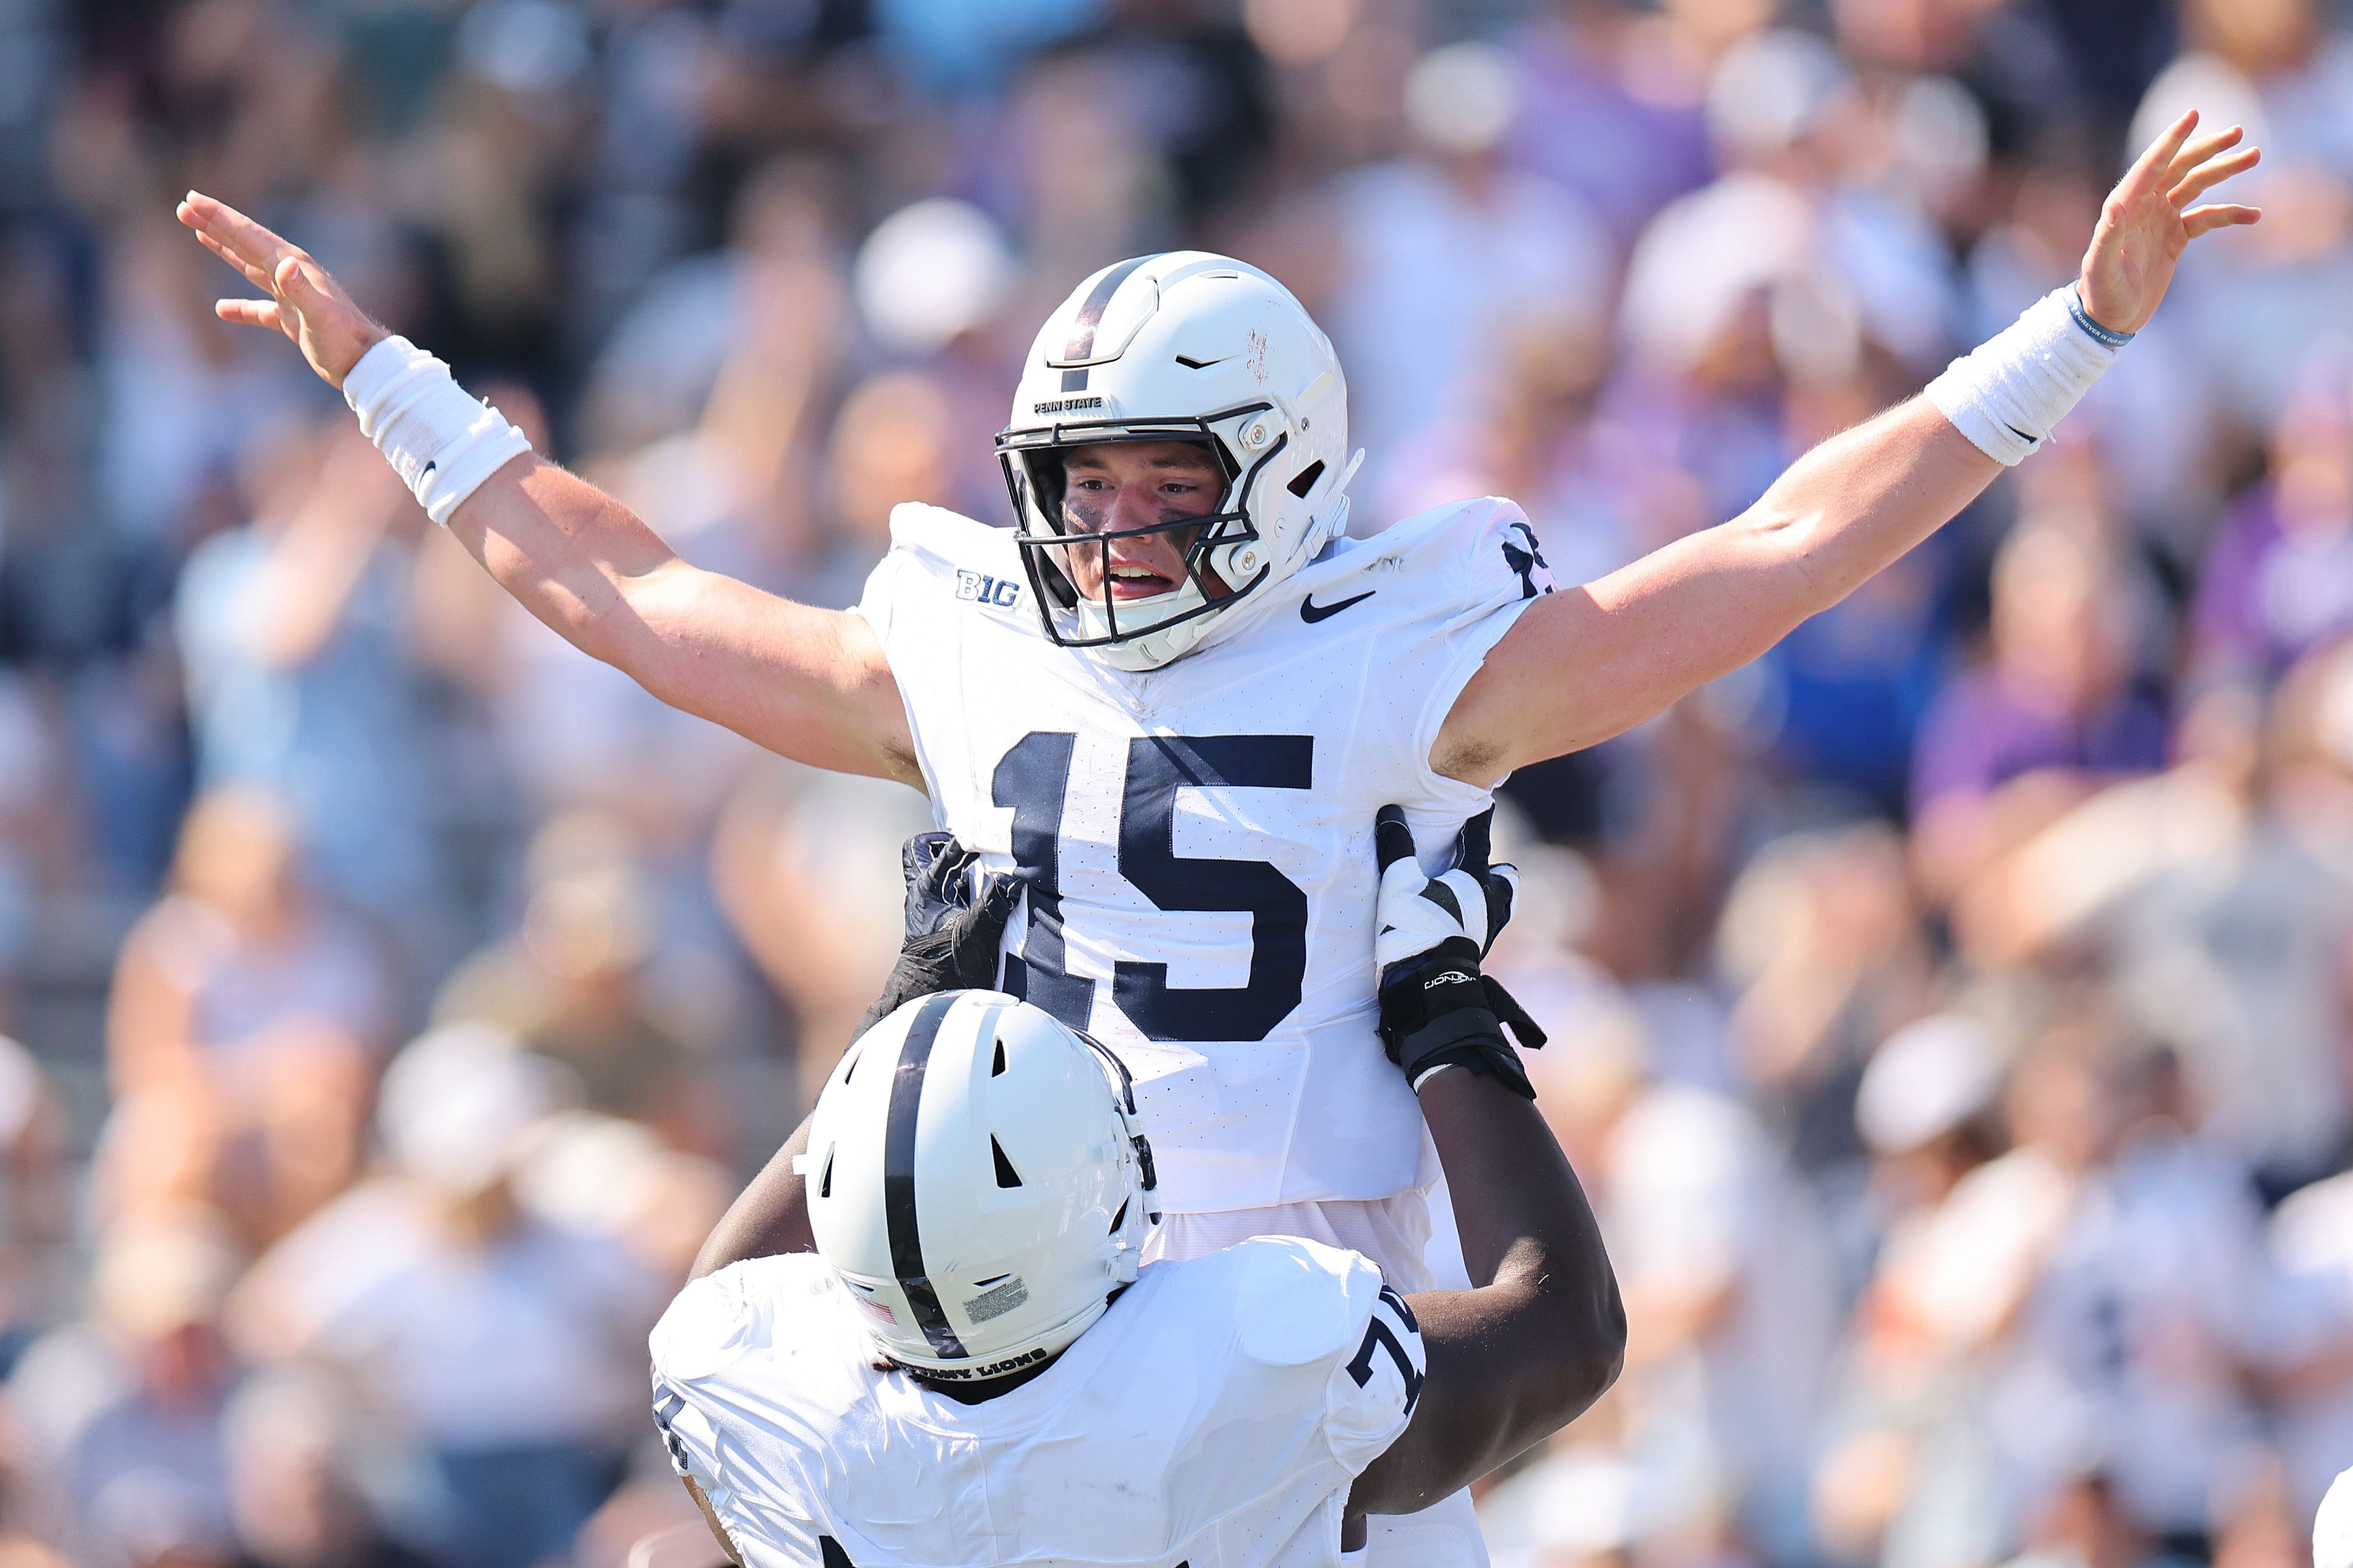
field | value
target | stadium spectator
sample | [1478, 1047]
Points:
[116, 1416]
[2278, 580]
[291, 633]
[1445, 259]
[503, 1343]
[2053, 713]
[243, 1031]
[588, 982]
[1729, 1285]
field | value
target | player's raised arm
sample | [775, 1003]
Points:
[1583, 665]
[809, 683]
[1544, 1333]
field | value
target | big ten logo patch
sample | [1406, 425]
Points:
[1002, 592]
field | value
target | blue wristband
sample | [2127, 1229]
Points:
[2100, 334]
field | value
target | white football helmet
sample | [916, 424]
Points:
[1180, 346]
[979, 1180]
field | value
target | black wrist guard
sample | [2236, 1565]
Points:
[1437, 1010]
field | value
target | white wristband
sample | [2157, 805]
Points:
[2006, 397]
[442, 443]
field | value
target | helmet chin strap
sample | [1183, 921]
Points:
[1335, 522]
[1349, 472]
[1135, 653]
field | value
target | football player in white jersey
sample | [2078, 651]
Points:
[970, 1368]
[1170, 698]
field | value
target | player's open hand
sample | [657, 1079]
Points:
[2149, 220]
[304, 302]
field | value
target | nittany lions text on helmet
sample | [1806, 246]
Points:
[978, 1177]
[1180, 346]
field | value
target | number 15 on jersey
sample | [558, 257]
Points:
[1034, 779]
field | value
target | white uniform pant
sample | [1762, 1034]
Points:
[1394, 1232]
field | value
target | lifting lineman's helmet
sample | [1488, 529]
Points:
[979, 1180]
[1193, 347]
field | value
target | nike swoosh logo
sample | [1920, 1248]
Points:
[1311, 612]
[429, 467]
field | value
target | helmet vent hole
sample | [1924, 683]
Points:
[825, 1182]
[1306, 479]
[1119, 1218]
[1196, 363]
[851, 1067]
[1006, 1177]
[996, 1068]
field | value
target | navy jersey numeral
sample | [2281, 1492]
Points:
[1034, 779]
[1377, 1335]
[1526, 561]
[668, 1403]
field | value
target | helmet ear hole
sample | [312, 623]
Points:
[1305, 480]
[1119, 1218]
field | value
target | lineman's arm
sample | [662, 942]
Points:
[768, 1217]
[1584, 665]
[1543, 1334]
[809, 683]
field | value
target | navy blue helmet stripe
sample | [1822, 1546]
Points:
[898, 1179]
[1083, 330]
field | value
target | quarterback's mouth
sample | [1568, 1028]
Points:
[1127, 582]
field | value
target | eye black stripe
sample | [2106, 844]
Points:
[898, 1179]
[1090, 317]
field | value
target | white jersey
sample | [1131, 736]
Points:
[1197, 839]
[1213, 1418]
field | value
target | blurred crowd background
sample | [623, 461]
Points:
[1950, 1012]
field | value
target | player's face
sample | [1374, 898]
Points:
[1136, 484]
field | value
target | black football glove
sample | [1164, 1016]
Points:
[955, 922]
[1436, 1009]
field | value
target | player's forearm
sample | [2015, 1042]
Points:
[806, 683]
[1540, 1337]
[770, 1216]
[1530, 1240]
[1713, 600]
[567, 552]
[1849, 508]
